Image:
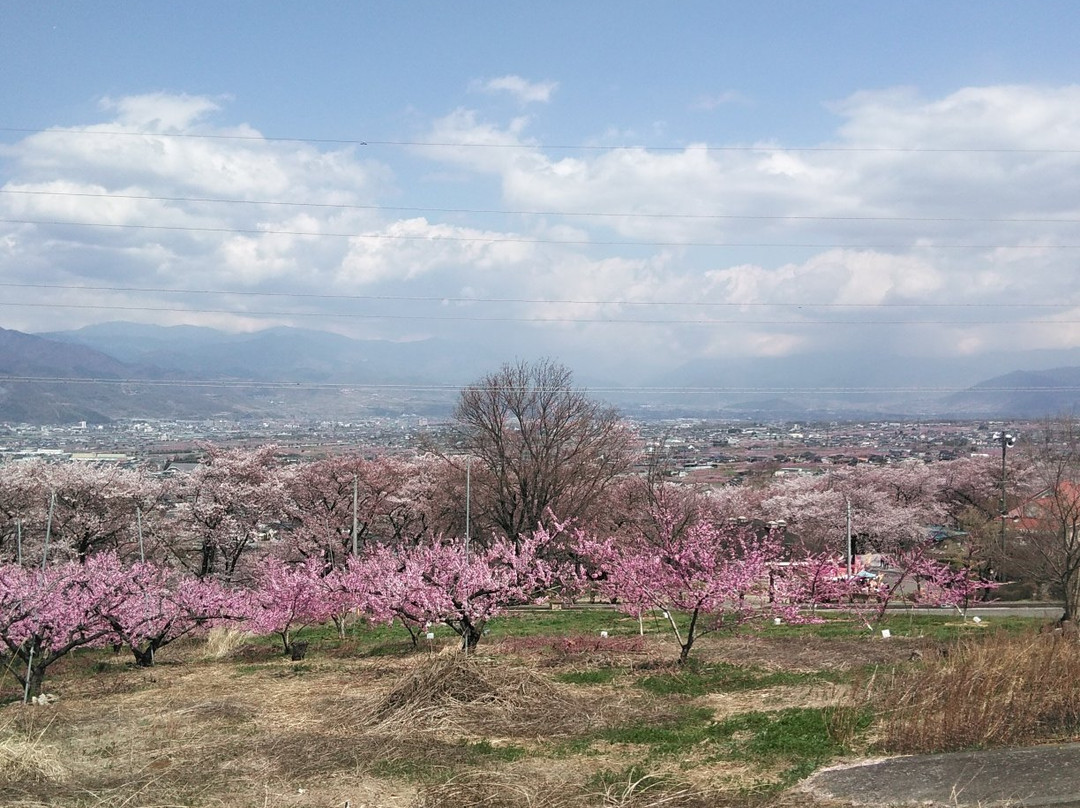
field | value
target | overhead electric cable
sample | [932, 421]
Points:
[352, 315]
[532, 240]
[536, 301]
[454, 388]
[768, 148]
[564, 213]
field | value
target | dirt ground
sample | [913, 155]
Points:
[259, 730]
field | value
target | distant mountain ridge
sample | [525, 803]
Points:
[32, 390]
[28, 355]
[148, 371]
[282, 354]
[1023, 393]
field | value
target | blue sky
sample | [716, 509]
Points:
[624, 186]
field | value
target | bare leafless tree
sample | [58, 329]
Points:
[540, 444]
[1050, 522]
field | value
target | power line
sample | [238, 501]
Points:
[532, 301]
[540, 320]
[533, 240]
[453, 388]
[771, 149]
[507, 212]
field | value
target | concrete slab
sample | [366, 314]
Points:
[1032, 776]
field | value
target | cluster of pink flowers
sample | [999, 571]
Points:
[46, 612]
[356, 541]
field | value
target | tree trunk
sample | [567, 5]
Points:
[684, 654]
[469, 632]
[208, 559]
[36, 682]
[144, 657]
[414, 633]
[1072, 596]
[340, 625]
[691, 635]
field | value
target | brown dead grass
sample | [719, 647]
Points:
[807, 654]
[195, 734]
[1004, 690]
[246, 728]
[822, 694]
[24, 755]
[483, 697]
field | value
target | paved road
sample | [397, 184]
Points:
[1032, 776]
[1049, 611]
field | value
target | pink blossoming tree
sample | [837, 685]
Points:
[47, 613]
[147, 606]
[464, 590]
[715, 574]
[286, 598]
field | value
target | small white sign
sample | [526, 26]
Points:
[976, 619]
[603, 635]
[777, 621]
[886, 633]
[431, 635]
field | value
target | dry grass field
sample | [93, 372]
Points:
[540, 720]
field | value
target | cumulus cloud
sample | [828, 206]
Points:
[524, 91]
[923, 224]
[412, 248]
[160, 112]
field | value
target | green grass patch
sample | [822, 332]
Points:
[609, 779]
[443, 760]
[944, 625]
[594, 676]
[557, 622]
[695, 679]
[677, 734]
[408, 770]
[786, 745]
[799, 739]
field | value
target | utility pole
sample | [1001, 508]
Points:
[847, 502]
[468, 530]
[138, 528]
[1007, 440]
[468, 504]
[48, 529]
[355, 491]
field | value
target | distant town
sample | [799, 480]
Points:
[698, 450]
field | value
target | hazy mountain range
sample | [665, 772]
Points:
[125, 370]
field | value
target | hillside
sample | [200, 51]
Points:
[1022, 394]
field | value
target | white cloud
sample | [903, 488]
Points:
[160, 112]
[526, 92]
[781, 251]
[713, 101]
[998, 117]
[409, 249]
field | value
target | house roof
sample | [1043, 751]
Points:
[1032, 514]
